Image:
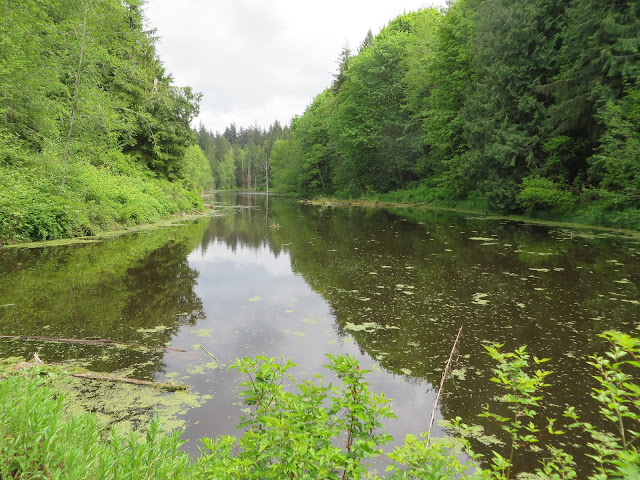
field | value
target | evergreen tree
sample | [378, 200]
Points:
[367, 42]
[594, 119]
[231, 134]
[504, 117]
[343, 64]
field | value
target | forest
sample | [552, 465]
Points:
[93, 132]
[511, 106]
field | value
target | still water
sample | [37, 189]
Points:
[270, 276]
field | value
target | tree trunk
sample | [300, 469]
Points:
[76, 87]
[266, 170]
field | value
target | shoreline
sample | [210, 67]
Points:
[210, 211]
[162, 223]
[482, 215]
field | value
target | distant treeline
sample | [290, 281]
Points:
[240, 157]
[516, 106]
[93, 133]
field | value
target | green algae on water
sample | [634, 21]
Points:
[127, 407]
[366, 327]
[204, 332]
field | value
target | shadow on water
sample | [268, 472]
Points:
[276, 277]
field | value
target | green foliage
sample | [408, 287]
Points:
[292, 428]
[440, 76]
[77, 92]
[418, 459]
[284, 170]
[522, 398]
[291, 435]
[57, 201]
[493, 103]
[368, 123]
[38, 440]
[540, 193]
[315, 158]
[616, 163]
[168, 115]
[243, 157]
[197, 170]
[616, 452]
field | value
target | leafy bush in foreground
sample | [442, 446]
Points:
[293, 435]
[322, 431]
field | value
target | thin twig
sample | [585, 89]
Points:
[442, 380]
[211, 355]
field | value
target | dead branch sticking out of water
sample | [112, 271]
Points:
[210, 355]
[171, 387]
[105, 342]
[447, 369]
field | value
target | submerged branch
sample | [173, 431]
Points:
[172, 387]
[105, 342]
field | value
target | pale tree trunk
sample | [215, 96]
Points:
[244, 185]
[76, 87]
[249, 173]
[266, 170]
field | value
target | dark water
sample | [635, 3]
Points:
[274, 277]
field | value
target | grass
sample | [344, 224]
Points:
[39, 440]
[598, 213]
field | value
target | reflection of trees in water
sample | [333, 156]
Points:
[250, 226]
[114, 289]
[546, 289]
[161, 287]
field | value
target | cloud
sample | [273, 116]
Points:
[258, 61]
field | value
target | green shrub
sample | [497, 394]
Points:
[540, 193]
[292, 434]
[54, 200]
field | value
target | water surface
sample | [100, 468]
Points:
[278, 278]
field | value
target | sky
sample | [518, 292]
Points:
[258, 61]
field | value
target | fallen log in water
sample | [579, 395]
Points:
[37, 362]
[171, 387]
[107, 342]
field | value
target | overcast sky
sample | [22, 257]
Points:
[258, 61]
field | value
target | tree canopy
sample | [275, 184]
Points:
[85, 100]
[506, 105]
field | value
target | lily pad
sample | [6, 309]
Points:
[480, 298]
[363, 327]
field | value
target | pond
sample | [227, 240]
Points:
[275, 277]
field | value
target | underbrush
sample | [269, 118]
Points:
[312, 430]
[42, 200]
[596, 208]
